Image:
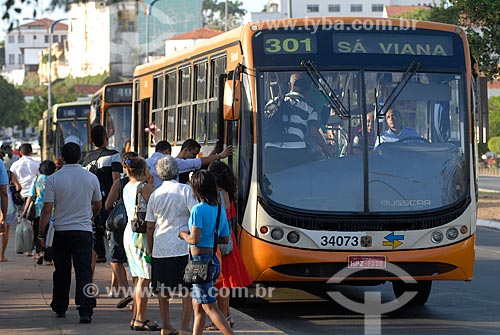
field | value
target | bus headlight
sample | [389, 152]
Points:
[277, 233]
[293, 237]
[437, 237]
[452, 233]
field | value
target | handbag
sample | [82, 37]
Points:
[24, 236]
[31, 211]
[139, 218]
[17, 198]
[117, 218]
[226, 248]
[199, 272]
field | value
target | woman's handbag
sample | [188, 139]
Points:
[117, 218]
[139, 219]
[227, 248]
[24, 236]
[17, 198]
[31, 211]
[199, 272]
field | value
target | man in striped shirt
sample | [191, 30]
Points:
[301, 128]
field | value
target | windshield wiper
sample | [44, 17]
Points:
[319, 80]
[405, 78]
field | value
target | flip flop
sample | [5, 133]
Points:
[124, 302]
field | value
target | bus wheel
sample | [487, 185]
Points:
[423, 289]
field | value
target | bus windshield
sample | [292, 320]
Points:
[74, 130]
[118, 126]
[400, 147]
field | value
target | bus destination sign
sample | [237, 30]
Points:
[118, 93]
[72, 112]
[392, 44]
[288, 44]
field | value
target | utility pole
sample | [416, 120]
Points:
[49, 89]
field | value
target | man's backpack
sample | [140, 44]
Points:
[99, 172]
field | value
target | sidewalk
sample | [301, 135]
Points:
[26, 291]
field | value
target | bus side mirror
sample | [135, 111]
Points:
[232, 100]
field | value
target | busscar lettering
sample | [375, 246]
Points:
[419, 49]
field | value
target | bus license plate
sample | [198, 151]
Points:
[366, 262]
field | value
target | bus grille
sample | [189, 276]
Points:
[360, 222]
[327, 270]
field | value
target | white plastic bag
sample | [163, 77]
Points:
[24, 236]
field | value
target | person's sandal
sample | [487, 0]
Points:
[145, 326]
[230, 321]
[124, 302]
[211, 327]
[132, 324]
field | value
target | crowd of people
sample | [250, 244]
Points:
[182, 198]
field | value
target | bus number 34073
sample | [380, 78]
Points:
[339, 241]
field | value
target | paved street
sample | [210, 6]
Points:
[25, 295]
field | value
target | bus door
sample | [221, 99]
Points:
[141, 124]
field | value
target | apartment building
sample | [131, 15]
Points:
[111, 37]
[24, 43]
[319, 8]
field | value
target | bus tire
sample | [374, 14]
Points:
[423, 289]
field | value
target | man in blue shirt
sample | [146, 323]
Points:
[396, 130]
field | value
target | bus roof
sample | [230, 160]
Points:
[237, 35]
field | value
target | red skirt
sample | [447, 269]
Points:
[233, 271]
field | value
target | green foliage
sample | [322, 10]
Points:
[494, 116]
[11, 104]
[214, 14]
[34, 109]
[481, 20]
[494, 144]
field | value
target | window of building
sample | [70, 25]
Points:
[34, 37]
[334, 8]
[20, 39]
[377, 8]
[46, 38]
[131, 26]
[20, 58]
[55, 38]
[356, 8]
[312, 8]
[12, 59]
[12, 39]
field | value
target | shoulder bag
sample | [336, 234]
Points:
[139, 219]
[199, 272]
[117, 218]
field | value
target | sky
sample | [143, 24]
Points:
[249, 5]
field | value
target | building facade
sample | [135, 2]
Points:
[324, 8]
[24, 43]
[111, 37]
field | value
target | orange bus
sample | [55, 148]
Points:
[408, 202]
[111, 107]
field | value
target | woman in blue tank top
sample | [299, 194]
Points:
[200, 238]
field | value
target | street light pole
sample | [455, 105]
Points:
[148, 13]
[49, 89]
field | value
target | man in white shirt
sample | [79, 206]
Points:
[25, 169]
[73, 209]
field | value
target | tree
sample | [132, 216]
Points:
[494, 145]
[34, 109]
[494, 116]
[11, 104]
[481, 19]
[214, 14]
